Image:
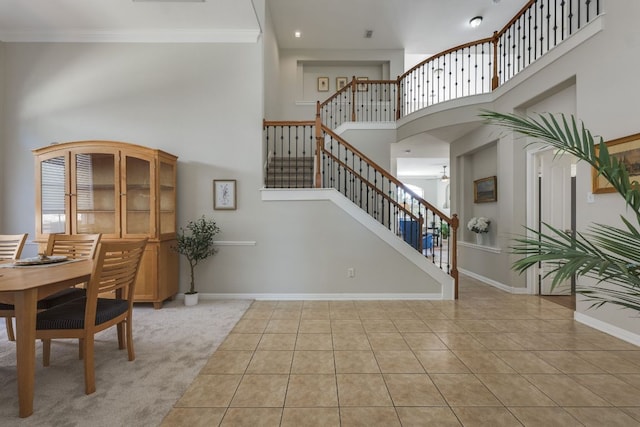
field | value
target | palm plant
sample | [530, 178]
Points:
[608, 254]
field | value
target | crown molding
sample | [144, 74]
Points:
[131, 36]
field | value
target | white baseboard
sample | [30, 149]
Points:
[607, 328]
[321, 297]
[493, 283]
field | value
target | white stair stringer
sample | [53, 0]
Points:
[445, 280]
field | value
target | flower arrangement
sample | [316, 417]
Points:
[479, 224]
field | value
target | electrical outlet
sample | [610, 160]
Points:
[590, 197]
[351, 272]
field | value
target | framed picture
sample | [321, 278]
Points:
[340, 82]
[224, 194]
[363, 87]
[485, 190]
[627, 151]
[323, 84]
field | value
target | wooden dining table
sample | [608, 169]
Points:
[23, 286]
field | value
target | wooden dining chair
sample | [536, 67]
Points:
[73, 246]
[10, 248]
[114, 271]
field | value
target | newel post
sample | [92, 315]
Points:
[455, 222]
[318, 126]
[494, 80]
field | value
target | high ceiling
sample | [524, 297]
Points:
[420, 27]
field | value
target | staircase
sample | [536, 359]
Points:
[289, 172]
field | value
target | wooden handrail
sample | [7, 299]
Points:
[514, 19]
[266, 123]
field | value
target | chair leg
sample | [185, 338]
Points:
[10, 335]
[120, 328]
[132, 354]
[46, 352]
[89, 368]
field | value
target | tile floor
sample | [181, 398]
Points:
[488, 359]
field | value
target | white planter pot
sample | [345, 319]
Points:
[190, 299]
[480, 240]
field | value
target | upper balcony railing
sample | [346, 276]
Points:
[470, 69]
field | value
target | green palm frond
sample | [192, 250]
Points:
[607, 254]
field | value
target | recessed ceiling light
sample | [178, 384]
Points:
[475, 21]
[297, 34]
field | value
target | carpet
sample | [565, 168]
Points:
[171, 345]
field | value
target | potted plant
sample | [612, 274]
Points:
[195, 242]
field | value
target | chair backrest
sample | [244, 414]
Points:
[73, 245]
[115, 269]
[11, 245]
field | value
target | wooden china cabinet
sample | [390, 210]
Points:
[124, 191]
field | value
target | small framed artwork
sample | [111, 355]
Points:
[363, 87]
[340, 82]
[627, 151]
[224, 194]
[485, 190]
[323, 84]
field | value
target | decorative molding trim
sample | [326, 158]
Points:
[320, 297]
[234, 243]
[484, 248]
[607, 328]
[133, 36]
[494, 283]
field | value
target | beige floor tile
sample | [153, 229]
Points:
[387, 341]
[411, 325]
[473, 325]
[428, 315]
[413, 390]
[350, 341]
[193, 417]
[568, 362]
[347, 326]
[609, 361]
[483, 362]
[356, 362]
[372, 314]
[533, 341]
[544, 417]
[401, 315]
[346, 314]
[283, 326]
[263, 305]
[464, 390]
[514, 390]
[570, 341]
[270, 362]
[255, 313]
[526, 362]
[460, 341]
[311, 417]
[633, 412]
[362, 390]
[368, 417]
[315, 327]
[252, 417]
[564, 391]
[610, 388]
[442, 325]
[315, 314]
[313, 362]
[310, 391]
[608, 342]
[289, 305]
[496, 341]
[398, 362]
[250, 326]
[277, 342]
[423, 341]
[441, 362]
[427, 416]
[314, 342]
[483, 416]
[210, 391]
[633, 379]
[378, 325]
[315, 305]
[631, 356]
[227, 362]
[261, 391]
[598, 417]
[240, 342]
[286, 314]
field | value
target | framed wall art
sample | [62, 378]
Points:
[363, 87]
[340, 82]
[224, 194]
[485, 190]
[627, 151]
[323, 84]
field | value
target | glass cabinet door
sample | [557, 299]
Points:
[137, 201]
[53, 197]
[167, 198]
[96, 194]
